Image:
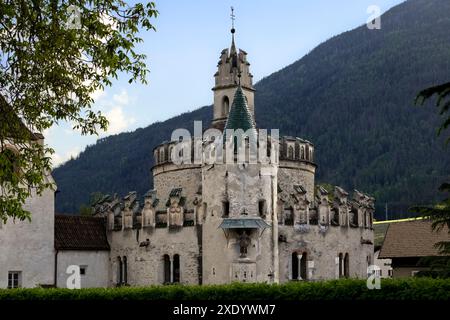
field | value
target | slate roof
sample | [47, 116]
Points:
[176, 192]
[412, 239]
[298, 188]
[80, 233]
[244, 223]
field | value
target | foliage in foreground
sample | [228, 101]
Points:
[54, 57]
[391, 289]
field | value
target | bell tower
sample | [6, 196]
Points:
[233, 69]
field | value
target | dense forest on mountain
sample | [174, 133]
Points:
[352, 96]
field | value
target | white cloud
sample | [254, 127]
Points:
[121, 98]
[97, 94]
[68, 142]
[118, 122]
[58, 159]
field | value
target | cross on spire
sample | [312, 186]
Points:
[233, 17]
[233, 46]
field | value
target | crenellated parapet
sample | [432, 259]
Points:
[328, 208]
[149, 209]
[127, 213]
[296, 149]
[364, 207]
[232, 65]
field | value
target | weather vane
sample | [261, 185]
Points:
[232, 18]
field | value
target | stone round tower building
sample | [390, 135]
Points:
[245, 218]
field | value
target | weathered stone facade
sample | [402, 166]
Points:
[210, 223]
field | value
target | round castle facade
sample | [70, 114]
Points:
[213, 223]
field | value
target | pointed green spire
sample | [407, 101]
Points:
[240, 116]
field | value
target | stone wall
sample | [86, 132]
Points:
[221, 93]
[292, 173]
[95, 262]
[243, 187]
[169, 176]
[323, 245]
[145, 264]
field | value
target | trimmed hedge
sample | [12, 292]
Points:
[348, 289]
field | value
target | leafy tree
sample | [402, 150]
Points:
[88, 210]
[85, 210]
[442, 102]
[439, 213]
[53, 56]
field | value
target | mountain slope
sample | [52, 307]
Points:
[352, 96]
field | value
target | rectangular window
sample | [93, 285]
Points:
[262, 208]
[83, 270]
[226, 208]
[14, 279]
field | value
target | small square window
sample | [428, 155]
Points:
[83, 270]
[14, 279]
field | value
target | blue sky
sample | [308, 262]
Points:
[182, 56]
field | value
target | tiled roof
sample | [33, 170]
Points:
[80, 233]
[412, 239]
[239, 116]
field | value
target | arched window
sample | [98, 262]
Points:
[335, 216]
[262, 208]
[225, 208]
[225, 106]
[176, 268]
[341, 265]
[294, 266]
[161, 155]
[166, 260]
[291, 152]
[307, 152]
[119, 271]
[346, 265]
[170, 153]
[303, 266]
[302, 153]
[125, 271]
[299, 266]
[366, 220]
[288, 216]
[354, 217]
